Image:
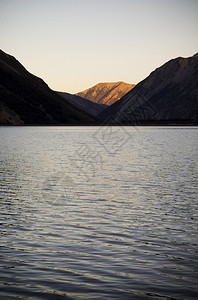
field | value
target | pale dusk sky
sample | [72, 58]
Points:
[74, 44]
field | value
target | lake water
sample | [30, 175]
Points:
[98, 213]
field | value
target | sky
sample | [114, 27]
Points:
[75, 44]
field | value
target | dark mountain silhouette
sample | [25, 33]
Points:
[26, 99]
[169, 94]
[106, 93]
[84, 104]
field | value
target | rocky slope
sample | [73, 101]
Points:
[26, 99]
[106, 93]
[169, 94]
[84, 104]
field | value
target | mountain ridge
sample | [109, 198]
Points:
[106, 92]
[27, 99]
[170, 92]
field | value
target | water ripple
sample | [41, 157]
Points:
[98, 225]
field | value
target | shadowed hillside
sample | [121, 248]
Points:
[26, 99]
[84, 104]
[169, 94]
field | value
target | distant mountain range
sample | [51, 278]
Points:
[26, 99]
[106, 93]
[84, 104]
[97, 98]
[169, 94]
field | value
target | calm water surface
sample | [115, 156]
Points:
[98, 213]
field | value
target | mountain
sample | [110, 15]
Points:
[106, 93]
[26, 99]
[168, 94]
[84, 104]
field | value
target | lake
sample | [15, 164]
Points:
[99, 213]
